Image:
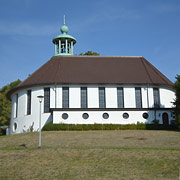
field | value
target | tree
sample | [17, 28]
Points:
[5, 104]
[89, 53]
[177, 101]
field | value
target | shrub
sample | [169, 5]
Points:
[2, 131]
[155, 121]
[85, 127]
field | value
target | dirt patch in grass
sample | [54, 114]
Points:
[91, 155]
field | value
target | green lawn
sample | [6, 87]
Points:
[86, 155]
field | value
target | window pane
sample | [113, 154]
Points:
[138, 97]
[85, 116]
[16, 114]
[83, 97]
[28, 102]
[65, 97]
[102, 101]
[125, 115]
[46, 100]
[156, 97]
[120, 97]
[105, 115]
[65, 116]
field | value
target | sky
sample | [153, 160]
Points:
[148, 28]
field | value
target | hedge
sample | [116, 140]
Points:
[2, 131]
[85, 127]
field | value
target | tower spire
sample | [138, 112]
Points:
[64, 43]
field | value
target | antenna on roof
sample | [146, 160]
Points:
[64, 19]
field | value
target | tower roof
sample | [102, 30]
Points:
[95, 70]
[64, 36]
[64, 43]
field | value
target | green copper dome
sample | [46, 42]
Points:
[64, 43]
[64, 29]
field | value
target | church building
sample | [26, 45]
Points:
[91, 89]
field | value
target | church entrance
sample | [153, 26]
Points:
[165, 119]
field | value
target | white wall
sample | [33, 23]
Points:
[93, 97]
[53, 91]
[151, 97]
[115, 117]
[59, 96]
[166, 97]
[129, 97]
[74, 97]
[27, 120]
[144, 97]
[111, 97]
[22, 103]
[13, 107]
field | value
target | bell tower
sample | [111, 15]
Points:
[64, 43]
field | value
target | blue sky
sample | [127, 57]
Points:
[149, 28]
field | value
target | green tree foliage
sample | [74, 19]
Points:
[5, 104]
[89, 53]
[177, 101]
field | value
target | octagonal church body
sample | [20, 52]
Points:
[91, 89]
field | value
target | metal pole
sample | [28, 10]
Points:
[40, 124]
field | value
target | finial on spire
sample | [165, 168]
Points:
[64, 19]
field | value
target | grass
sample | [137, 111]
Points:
[105, 155]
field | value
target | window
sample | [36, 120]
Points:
[16, 109]
[120, 97]
[46, 100]
[28, 102]
[156, 97]
[102, 100]
[85, 116]
[64, 115]
[138, 97]
[125, 115]
[105, 115]
[145, 115]
[83, 97]
[14, 127]
[65, 97]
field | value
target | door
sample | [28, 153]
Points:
[165, 119]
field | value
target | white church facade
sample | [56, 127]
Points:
[91, 89]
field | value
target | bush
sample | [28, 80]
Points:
[2, 131]
[86, 127]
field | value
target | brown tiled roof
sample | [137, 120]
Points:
[95, 70]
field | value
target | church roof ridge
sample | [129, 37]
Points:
[103, 56]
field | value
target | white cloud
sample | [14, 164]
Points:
[104, 16]
[27, 29]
